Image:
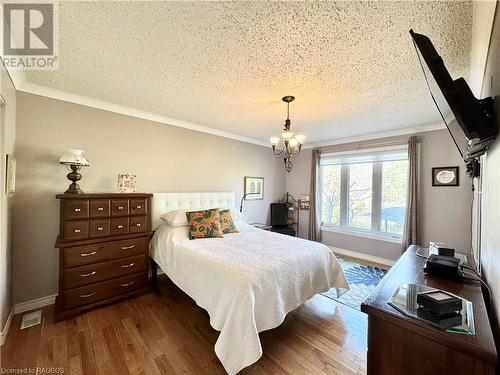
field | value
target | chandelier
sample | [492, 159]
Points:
[291, 145]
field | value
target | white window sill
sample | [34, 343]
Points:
[358, 233]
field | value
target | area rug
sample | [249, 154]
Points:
[362, 280]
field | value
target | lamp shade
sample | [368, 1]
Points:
[300, 138]
[274, 141]
[74, 157]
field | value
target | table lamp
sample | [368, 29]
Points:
[74, 161]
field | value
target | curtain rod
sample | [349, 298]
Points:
[362, 144]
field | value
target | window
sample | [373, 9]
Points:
[365, 191]
[359, 206]
[330, 197]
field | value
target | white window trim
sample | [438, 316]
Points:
[362, 233]
[376, 182]
[372, 150]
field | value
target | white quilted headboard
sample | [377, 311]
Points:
[165, 202]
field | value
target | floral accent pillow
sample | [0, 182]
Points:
[227, 223]
[204, 224]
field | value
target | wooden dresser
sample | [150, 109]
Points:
[103, 249]
[401, 345]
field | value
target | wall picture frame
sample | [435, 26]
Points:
[10, 176]
[445, 176]
[254, 186]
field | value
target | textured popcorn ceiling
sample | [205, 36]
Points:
[351, 65]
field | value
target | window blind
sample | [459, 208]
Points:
[365, 156]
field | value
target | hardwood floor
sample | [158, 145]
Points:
[166, 333]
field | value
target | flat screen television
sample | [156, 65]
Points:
[471, 122]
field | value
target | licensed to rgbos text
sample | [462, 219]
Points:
[32, 370]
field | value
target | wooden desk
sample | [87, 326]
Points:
[401, 345]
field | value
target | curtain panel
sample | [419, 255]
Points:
[410, 234]
[314, 210]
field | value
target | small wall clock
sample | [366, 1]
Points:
[445, 176]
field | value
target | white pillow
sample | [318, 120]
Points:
[238, 216]
[175, 218]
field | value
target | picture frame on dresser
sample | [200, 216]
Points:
[103, 247]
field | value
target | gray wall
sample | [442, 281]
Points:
[490, 229]
[164, 158]
[7, 140]
[444, 211]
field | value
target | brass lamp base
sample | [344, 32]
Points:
[74, 176]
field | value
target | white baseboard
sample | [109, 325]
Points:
[370, 258]
[6, 327]
[34, 304]
[23, 307]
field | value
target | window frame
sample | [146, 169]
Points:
[376, 209]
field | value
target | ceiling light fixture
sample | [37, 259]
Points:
[292, 145]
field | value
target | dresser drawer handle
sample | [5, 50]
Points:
[128, 265]
[100, 208]
[87, 295]
[128, 247]
[120, 207]
[120, 226]
[138, 224]
[88, 254]
[138, 207]
[128, 284]
[88, 274]
[77, 230]
[100, 228]
[78, 209]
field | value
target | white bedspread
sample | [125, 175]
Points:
[247, 281]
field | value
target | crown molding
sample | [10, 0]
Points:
[48, 92]
[17, 77]
[368, 137]
[22, 85]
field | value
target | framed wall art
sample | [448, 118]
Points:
[10, 177]
[445, 176]
[254, 186]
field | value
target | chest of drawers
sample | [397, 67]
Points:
[103, 247]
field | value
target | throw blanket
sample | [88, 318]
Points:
[247, 281]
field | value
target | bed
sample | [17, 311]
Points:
[246, 281]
